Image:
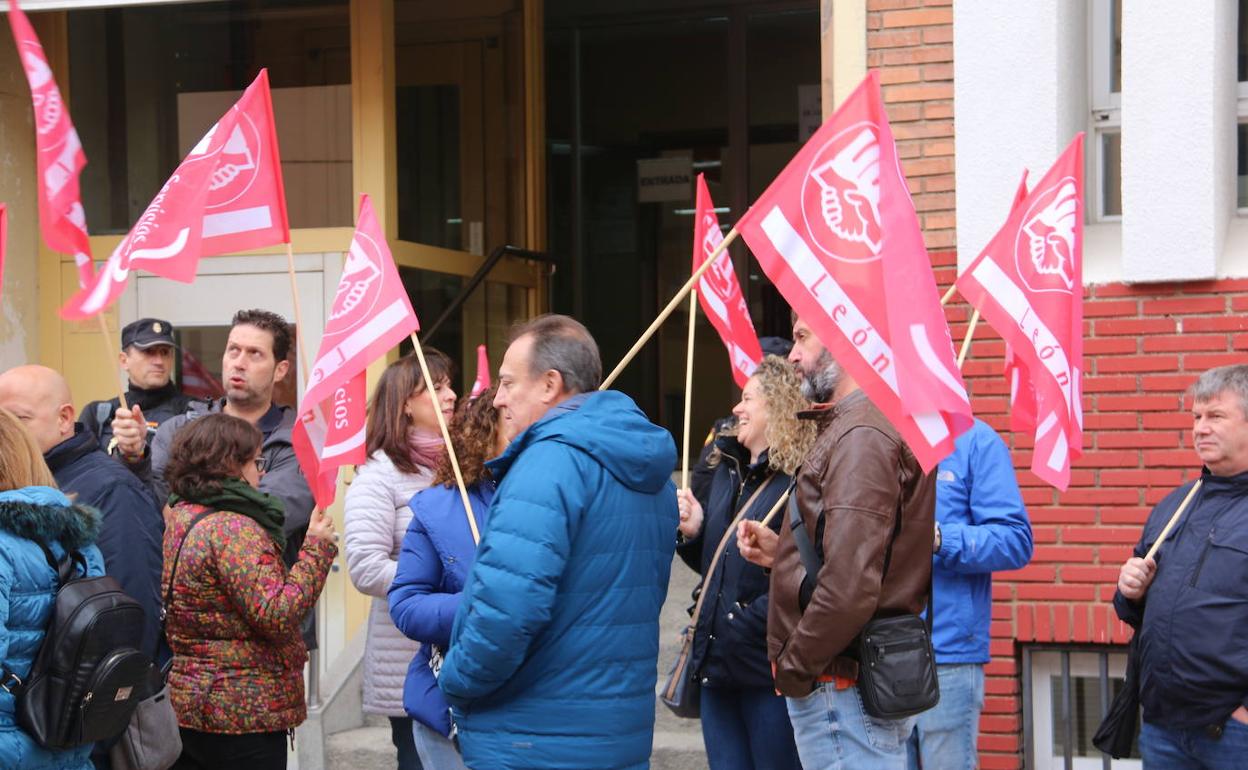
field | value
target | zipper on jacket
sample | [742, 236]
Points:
[1200, 563]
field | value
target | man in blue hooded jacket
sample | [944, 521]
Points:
[981, 528]
[553, 655]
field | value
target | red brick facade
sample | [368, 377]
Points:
[1144, 345]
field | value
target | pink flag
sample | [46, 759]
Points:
[1028, 283]
[59, 155]
[197, 381]
[482, 382]
[371, 314]
[1022, 390]
[837, 234]
[720, 294]
[226, 197]
[4, 238]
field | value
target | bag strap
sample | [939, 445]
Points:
[723, 543]
[813, 563]
[173, 570]
[64, 571]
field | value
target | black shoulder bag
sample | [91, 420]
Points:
[896, 664]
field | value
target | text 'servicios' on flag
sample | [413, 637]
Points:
[371, 314]
[838, 235]
[1028, 283]
[225, 197]
[482, 383]
[719, 293]
[59, 156]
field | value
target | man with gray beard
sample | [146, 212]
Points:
[869, 510]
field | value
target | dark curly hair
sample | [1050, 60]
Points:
[207, 451]
[474, 433]
[272, 323]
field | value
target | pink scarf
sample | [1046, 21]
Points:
[426, 448]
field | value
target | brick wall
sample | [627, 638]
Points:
[1144, 345]
[910, 42]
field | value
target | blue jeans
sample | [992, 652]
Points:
[435, 749]
[401, 737]
[1164, 748]
[944, 737]
[747, 729]
[834, 732]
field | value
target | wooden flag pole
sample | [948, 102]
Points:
[775, 508]
[966, 341]
[1173, 519]
[949, 294]
[110, 355]
[684, 458]
[688, 287]
[299, 328]
[446, 436]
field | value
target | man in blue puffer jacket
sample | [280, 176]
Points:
[554, 651]
[981, 528]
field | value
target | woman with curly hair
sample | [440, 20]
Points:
[437, 553]
[405, 447]
[744, 723]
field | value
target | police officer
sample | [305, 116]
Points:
[147, 356]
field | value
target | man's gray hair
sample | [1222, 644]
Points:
[1224, 379]
[564, 345]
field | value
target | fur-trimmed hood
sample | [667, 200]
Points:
[45, 515]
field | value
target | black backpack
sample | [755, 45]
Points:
[89, 674]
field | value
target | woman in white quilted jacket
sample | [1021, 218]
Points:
[404, 447]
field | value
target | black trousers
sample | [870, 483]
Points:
[218, 751]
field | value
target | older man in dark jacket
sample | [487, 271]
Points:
[131, 526]
[1189, 606]
[869, 509]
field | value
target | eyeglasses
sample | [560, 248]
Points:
[261, 463]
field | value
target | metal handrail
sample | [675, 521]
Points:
[495, 257]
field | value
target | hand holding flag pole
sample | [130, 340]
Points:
[667, 311]
[1173, 520]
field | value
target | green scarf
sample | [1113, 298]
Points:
[237, 496]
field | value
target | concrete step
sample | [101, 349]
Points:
[365, 748]
[369, 748]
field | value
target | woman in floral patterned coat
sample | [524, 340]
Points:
[235, 611]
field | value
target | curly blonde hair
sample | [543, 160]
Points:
[788, 438]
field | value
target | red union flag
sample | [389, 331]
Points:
[482, 382]
[1022, 391]
[837, 234]
[371, 314]
[59, 154]
[720, 294]
[330, 436]
[226, 197]
[1028, 283]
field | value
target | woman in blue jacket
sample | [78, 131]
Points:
[437, 553]
[745, 724]
[33, 512]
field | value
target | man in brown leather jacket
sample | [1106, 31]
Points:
[857, 480]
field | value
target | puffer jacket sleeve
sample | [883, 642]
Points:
[418, 606]
[998, 537]
[271, 600]
[370, 518]
[512, 588]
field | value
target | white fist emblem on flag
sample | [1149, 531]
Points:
[1045, 248]
[842, 206]
[362, 273]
